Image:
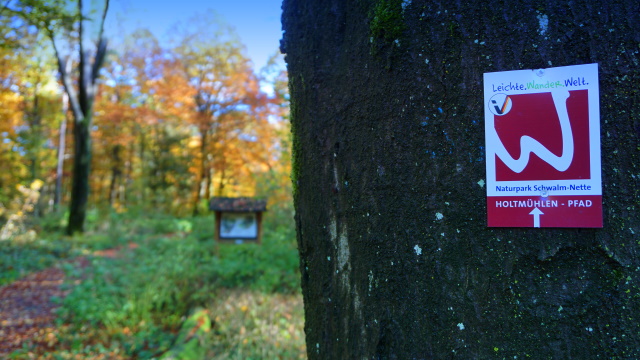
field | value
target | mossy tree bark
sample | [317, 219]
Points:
[388, 142]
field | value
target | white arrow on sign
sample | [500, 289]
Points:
[536, 217]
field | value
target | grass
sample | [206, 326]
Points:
[132, 306]
[45, 244]
[19, 258]
[255, 325]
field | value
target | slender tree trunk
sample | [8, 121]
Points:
[144, 172]
[35, 125]
[126, 186]
[207, 188]
[158, 170]
[61, 150]
[222, 179]
[389, 172]
[203, 171]
[116, 173]
[36, 135]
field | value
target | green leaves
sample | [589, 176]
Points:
[192, 338]
[49, 15]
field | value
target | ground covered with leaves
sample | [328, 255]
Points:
[26, 308]
[167, 292]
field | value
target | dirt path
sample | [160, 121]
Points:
[26, 309]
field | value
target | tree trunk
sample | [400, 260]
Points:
[389, 171]
[126, 186]
[116, 173]
[81, 102]
[144, 173]
[207, 188]
[61, 151]
[222, 180]
[80, 179]
[35, 133]
[203, 171]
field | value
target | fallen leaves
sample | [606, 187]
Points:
[26, 307]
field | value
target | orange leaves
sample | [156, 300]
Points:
[10, 113]
[10, 98]
[229, 112]
[171, 124]
[172, 93]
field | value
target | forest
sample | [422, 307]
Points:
[110, 151]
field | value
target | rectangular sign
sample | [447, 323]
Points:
[542, 131]
[239, 226]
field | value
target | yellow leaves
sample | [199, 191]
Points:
[20, 208]
[262, 167]
[24, 190]
[194, 142]
[30, 193]
[36, 185]
[10, 110]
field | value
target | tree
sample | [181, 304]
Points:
[114, 122]
[276, 183]
[388, 158]
[227, 97]
[161, 99]
[90, 62]
[40, 106]
[58, 22]
[41, 112]
[30, 109]
[11, 116]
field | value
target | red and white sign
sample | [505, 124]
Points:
[543, 147]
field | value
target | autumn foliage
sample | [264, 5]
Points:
[174, 122]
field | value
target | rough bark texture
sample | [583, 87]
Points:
[81, 172]
[387, 122]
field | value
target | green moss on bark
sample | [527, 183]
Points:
[387, 20]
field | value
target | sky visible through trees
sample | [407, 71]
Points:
[257, 22]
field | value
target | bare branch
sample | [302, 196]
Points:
[87, 88]
[64, 70]
[83, 58]
[99, 59]
[101, 51]
[104, 17]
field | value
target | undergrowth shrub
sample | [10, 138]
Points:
[19, 258]
[141, 297]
